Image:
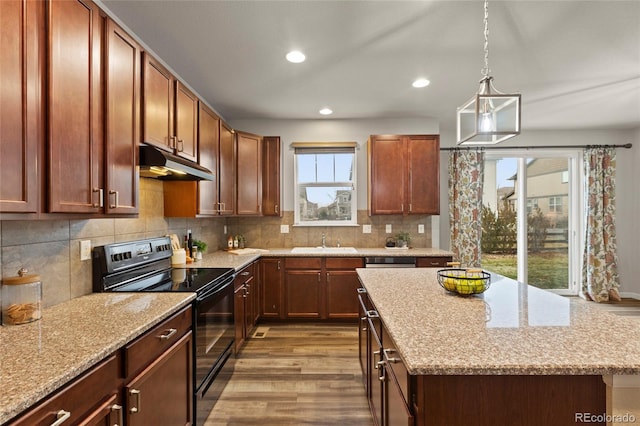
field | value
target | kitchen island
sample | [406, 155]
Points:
[513, 355]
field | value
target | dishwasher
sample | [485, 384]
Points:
[390, 262]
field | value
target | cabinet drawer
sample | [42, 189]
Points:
[303, 263]
[343, 262]
[396, 364]
[150, 345]
[432, 262]
[77, 398]
[245, 274]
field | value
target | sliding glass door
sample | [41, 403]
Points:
[531, 217]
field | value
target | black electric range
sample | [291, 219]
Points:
[145, 266]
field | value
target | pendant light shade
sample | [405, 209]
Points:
[490, 116]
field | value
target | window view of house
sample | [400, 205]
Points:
[325, 188]
[547, 261]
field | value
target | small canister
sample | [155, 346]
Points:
[21, 298]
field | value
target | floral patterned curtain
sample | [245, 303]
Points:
[600, 280]
[466, 170]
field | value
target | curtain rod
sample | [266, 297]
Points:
[481, 148]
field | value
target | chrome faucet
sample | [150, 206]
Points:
[324, 240]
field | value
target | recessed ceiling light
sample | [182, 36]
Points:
[326, 111]
[296, 56]
[421, 82]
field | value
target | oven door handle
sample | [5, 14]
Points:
[215, 289]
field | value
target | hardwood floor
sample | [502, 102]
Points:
[297, 374]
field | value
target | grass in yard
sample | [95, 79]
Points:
[546, 269]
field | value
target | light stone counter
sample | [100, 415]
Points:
[511, 329]
[225, 259]
[40, 357]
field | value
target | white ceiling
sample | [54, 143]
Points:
[576, 63]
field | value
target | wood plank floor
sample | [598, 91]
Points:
[297, 374]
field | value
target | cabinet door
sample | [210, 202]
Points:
[186, 123]
[208, 147]
[122, 120]
[375, 356]
[162, 394]
[227, 169]
[271, 205]
[239, 313]
[363, 339]
[271, 284]
[423, 186]
[249, 174]
[386, 175]
[303, 293]
[21, 115]
[157, 107]
[76, 148]
[342, 296]
[110, 413]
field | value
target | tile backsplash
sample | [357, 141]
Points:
[51, 248]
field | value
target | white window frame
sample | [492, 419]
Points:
[328, 148]
[575, 203]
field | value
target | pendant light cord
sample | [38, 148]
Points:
[486, 70]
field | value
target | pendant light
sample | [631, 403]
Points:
[490, 116]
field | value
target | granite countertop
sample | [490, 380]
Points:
[511, 329]
[226, 259]
[40, 357]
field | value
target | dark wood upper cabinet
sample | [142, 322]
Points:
[387, 174]
[227, 170]
[158, 104]
[423, 185]
[248, 174]
[209, 147]
[186, 123]
[122, 120]
[271, 204]
[21, 106]
[75, 107]
[404, 174]
[170, 111]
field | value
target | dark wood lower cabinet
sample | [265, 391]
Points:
[162, 393]
[79, 400]
[148, 382]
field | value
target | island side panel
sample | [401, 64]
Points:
[507, 400]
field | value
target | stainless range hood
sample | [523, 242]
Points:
[155, 163]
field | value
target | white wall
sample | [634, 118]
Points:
[327, 130]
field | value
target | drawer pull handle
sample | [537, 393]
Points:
[61, 417]
[168, 334]
[245, 273]
[135, 408]
[118, 408]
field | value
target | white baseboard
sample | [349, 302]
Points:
[630, 295]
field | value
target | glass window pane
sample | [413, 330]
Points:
[325, 168]
[325, 203]
[306, 167]
[344, 167]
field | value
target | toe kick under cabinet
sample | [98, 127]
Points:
[148, 382]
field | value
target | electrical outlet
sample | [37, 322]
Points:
[284, 229]
[366, 229]
[420, 228]
[387, 228]
[85, 250]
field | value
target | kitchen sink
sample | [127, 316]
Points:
[323, 250]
